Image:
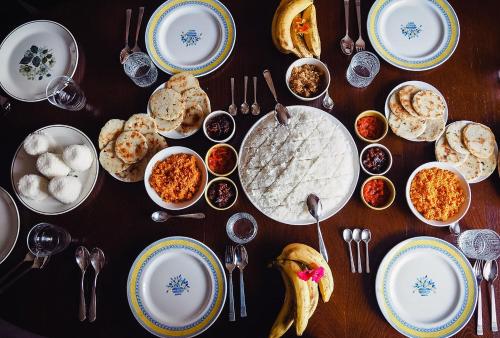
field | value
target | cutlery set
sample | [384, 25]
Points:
[84, 258]
[236, 257]
[357, 235]
[487, 270]
[245, 108]
[347, 45]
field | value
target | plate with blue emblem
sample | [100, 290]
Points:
[176, 287]
[190, 35]
[425, 287]
[414, 35]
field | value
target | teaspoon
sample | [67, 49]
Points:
[233, 110]
[162, 216]
[347, 234]
[282, 113]
[490, 273]
[314, 206]
[366, 236]
[136, 48]
[356, 236]
[255, 105]
[97, 260]
[125, 52]
[245, 108]
[82, 256]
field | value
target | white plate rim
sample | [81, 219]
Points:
[6, 193]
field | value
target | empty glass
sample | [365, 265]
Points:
[480, 244]
[139, 67]
[64, 93]
[362, 69]
[46, 239]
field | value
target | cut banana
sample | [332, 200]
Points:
[284, 20]
[311, 35]
[298, 40]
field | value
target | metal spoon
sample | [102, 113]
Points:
[282, 114]
[455, 228]
[314, 206]
[242, 261]
[126, 50]
[97, 259]
[82, 256]
[136, 48]
[245, 108]
[347, 234]
[490, 273]
[346, 44]
[366, 236]
[162, 216]
[255, 105]
[356, 235]
[233, 110]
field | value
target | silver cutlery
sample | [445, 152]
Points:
[241, 263]
[455, 228]
[29, 257]
[126, 50]
[356, 236]
[163, 216]
[5, 104]
[478, 272]
[233, 110]
[82, 256]
[97, 260]
[245, 108]
[328, 103]
[137, 30]
[314, 206]
[346, 44]
[38, 263]
[282, 113]
[347, 234]
[360, 43]
[230, 262]
[255, 105]
[490, 273]
[366, 236]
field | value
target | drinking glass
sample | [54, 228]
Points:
[362, 69]
[64, 93]
[140, 69]
[480, 244]
[46, 239]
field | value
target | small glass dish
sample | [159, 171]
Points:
[241, 228]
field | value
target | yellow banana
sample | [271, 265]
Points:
[284, 21]
[298, 40]
[311, 35]
[306, 255]
[314, 296]
[273, 31]
[285, 317]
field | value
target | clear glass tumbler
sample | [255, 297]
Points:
[362, 70]
[140, 69]
[64, 93]
[46, 239]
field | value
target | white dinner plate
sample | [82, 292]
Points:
[185, 35]
[32, 55]
[9, 224]
[426, 287]
[23, 164]
[176, 287]
[413, 34]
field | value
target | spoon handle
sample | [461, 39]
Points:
[479, 327]
[82, 311]
[494, 325]
[232, 316]
[322, 247]
[139, 22]
[128, 13]
[243, 306]
[360, 268]
[353, 268]
[93, 302]
[232, 90]
[270, 84]
[255, 89]
[367, 258]
[346, 14]
[245, 84]
[195, 216]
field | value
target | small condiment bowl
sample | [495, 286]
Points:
[213, 114]
[217, 146]
[463, 183]
[218, 179]
[231, 222]
[387, 151]
[311, 61]
[392, 190]
[379, 116]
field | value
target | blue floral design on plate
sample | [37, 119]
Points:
[178, 285]
[191, 37]
[424, 285]
[36, 63]
[411, 30]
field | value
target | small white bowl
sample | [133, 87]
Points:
[372, 146]
[311, 61]
[219, 179]
[463, 182]
[163, 154]
[215, 113]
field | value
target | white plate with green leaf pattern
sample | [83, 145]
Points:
[32, 55]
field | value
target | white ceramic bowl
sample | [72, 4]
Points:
[372, 146]
[163, 154]
[465, 186]
[311, 61]
[215, 113]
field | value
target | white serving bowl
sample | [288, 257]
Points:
[215, 113]
[311, 61]
[373, 146]
[463, 182]
[163, 154]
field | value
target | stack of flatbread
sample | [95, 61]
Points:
[181, 105]
[416, 114]
[127, 146]
[469, 146]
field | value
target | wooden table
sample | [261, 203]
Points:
[116, 216]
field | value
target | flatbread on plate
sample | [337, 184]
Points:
[110, 132]
[433, 129]
[471, 168]
[454, 136]
[396, 107]
[193, 118]
[409, 128]
[131, 146]
[445, 153]
[166, 104]
[195, 96]
[479, 140]
[143, 123]
[182, 81]
[488, 165]
[109, 161]
[428, 104]
[168, 125]
[405, 98]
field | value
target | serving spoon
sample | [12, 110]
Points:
[162, 216]
[282, 113]
[314, 206]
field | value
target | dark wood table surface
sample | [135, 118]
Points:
[116, 215]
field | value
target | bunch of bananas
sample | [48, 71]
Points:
[301, 297]
[295, 30]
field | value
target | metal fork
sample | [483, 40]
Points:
[478, 272]
[360, 43]
[38, 263]
[230, 261]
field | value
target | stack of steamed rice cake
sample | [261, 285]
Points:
[417, 115]
[470, 147]
[181, 105]
[127, 146]
[59, 171]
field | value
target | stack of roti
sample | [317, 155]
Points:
[416, 114]
[127, 146]
[181, 105]
[469, 146]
